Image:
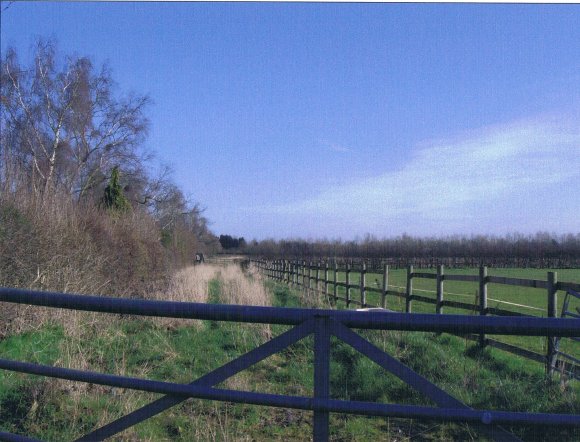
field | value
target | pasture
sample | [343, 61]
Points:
[521, 300]
[525, 300]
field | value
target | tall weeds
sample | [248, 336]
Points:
[51, 243]
[245, 289]
[238, 288]
[190, 284]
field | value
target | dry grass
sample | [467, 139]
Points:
[239, 288]
[315, 298]
[245, 289]
[190, 284]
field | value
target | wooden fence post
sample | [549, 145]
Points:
[482, 299]
[409, 293]
[335, 287]
[439, 306]
[385, 285]
[303, 275]
[317, 277]
[552, 313]
[347, 285]
[295, 272]
[363, 295]
[326, 278]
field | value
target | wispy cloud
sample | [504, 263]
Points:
[335, 147]
[477, 179]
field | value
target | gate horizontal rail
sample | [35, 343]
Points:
[372, 320]
[322, 324]
[296, 402]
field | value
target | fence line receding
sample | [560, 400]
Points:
[299, 273]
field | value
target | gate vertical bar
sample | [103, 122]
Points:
[321, 376]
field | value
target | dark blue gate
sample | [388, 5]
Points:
[323, 324]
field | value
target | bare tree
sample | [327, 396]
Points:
[64, 125]
[64, 129]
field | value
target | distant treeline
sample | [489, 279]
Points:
[229, 242]
[542, 250]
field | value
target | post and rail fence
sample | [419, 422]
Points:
[432, 262]
[286, 270]
[322, 323]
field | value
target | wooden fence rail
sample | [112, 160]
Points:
[289, 271]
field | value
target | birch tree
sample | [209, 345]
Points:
[64, 126]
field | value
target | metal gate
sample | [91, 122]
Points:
[322, 324]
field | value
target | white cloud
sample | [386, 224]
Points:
[335, 147]
[459, 181]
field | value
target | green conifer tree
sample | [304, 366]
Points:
[114, 199]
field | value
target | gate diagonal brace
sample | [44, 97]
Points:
[211, 379]
[412, 378]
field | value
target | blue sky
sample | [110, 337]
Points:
[338, 120]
